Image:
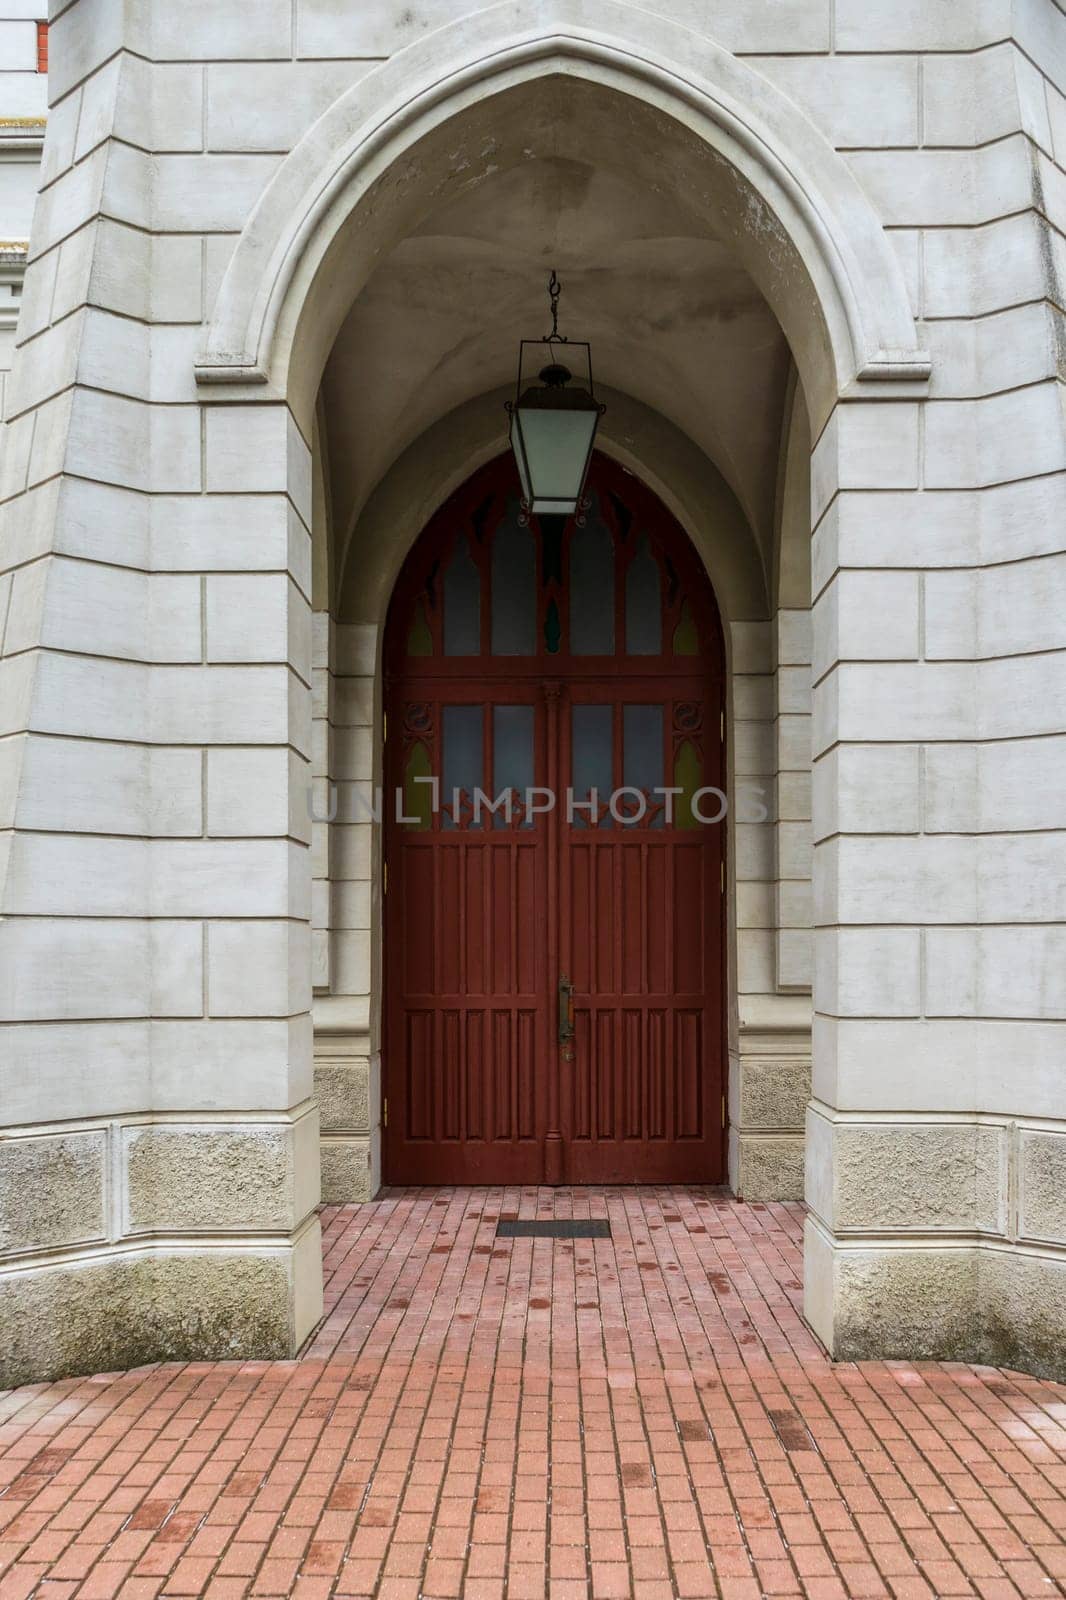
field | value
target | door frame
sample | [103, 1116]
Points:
[712, 656]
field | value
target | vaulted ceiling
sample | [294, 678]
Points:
[674, 321]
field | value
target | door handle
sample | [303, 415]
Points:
[566, 1010]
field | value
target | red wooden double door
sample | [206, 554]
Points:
[554, 846]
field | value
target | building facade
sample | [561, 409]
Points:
[281, 256]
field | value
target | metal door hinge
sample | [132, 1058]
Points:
[722, 722]
[384, 877]
[384, 1113]
[721, 876]
[723, 1112]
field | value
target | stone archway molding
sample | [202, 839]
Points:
[791, 178]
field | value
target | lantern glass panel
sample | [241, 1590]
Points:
[553, 449]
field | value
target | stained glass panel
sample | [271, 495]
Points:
[592, 589]
[688, 777]
[462, 603]
[644, 622]
[686, 635]
[514, 589]
[419, 637]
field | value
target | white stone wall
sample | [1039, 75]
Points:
[769, 1067]
[321, 799]
[940, 861]
[346, 866]
[770, 1070]
[155, 684]
[792, 833]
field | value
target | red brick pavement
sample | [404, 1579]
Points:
[642, 1416]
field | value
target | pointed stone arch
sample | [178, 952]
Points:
[798, 218]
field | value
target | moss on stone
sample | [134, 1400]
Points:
[989, 1307]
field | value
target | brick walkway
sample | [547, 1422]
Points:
[644, 1416]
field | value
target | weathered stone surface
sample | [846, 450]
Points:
[771, 1169]
[127, 1312]
[52, 1191]
[345, 1171]
[990, 1160]
[1024, 1305]
[343, 1094]
[1043, 1187]
[208, 1178]
[913, 1304]
[986, 1305]
[774, 1092]
[918, 1176]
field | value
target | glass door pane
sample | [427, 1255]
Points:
[592, 758]
[512, 756]
[463, 761]
[642, 753]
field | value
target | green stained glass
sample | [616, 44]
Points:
[688, 777]
[419, 637]
[418, 797]
[553, 630]
[686, 636]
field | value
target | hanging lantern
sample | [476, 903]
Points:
[553, 423]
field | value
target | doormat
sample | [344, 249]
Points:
[553, 1228]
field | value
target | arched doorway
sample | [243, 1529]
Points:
[554, 930]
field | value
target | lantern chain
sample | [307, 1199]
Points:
[555, 289]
